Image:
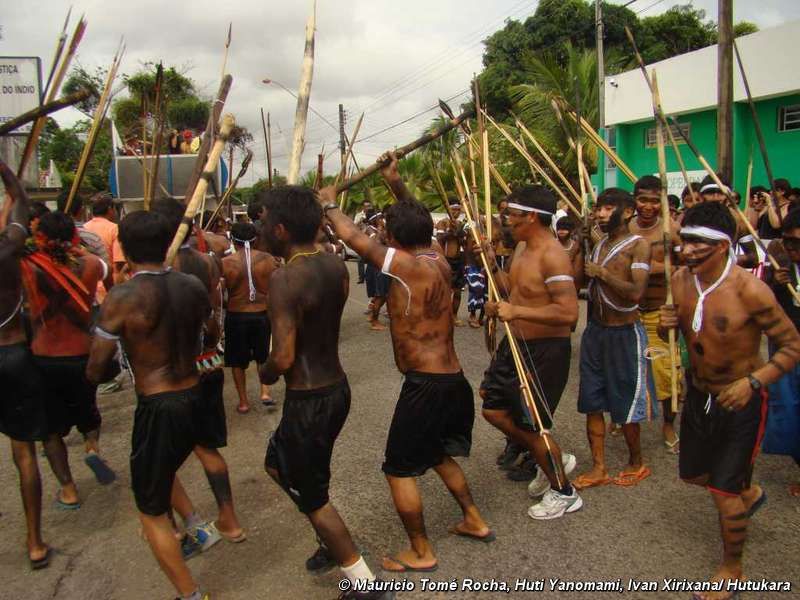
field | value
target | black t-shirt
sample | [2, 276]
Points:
[765, 230]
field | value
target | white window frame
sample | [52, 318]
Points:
[650, 134]
[789, 118]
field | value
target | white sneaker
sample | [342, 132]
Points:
[541, 483]
[206, 534]
[554, 505]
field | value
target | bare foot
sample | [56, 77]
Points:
[458, 323]
[724, 574]
[410, 558]
[38, 552]
[243, 409]
[377, 326]
[477, 530]
[68, 495]
[794, 490]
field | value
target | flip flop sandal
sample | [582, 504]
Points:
[631, 479]
[233, 540]
[268, 402]
[41, 563]
[408, 568]
[486, 539]
[104, 474]
[582, 482]
[762, 500]
[672, 447]
[60, 504]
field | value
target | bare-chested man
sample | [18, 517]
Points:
[434, 415]
[647, 194]
[23, 416]
[61, 286]
[541, 307]
[614, 369]
[451, 235]
[305, 308]
[210, 421]
[722, 311]
[157, 319]
[247, 333]
[565, 232]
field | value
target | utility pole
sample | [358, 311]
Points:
[725, 91]
[320, 163]
[601, 67]
[342, 143]
[269, 151]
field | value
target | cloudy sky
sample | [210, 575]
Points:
[391, 60]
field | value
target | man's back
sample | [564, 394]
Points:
[310, 293]
[162, 314]
[234, 269]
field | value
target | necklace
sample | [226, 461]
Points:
[302, 254]
[653, 226]
[164, 272]
[697, 319]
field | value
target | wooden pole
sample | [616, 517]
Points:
[749, 183]
[158, 138]
[269, 151]
[266, 147]
[666, 230]
[725, 90]
[227, 125]
[226, 197]
[404, 150]
[303, 97]
[44, 110]
[349, 153]
[227, 47]
[60, 44]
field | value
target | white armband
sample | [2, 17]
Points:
[102, 333]
[387, 262]
[556, 278]
[746, 239]
[105, 268]
[642, 266]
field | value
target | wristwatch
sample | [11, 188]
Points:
[754, 383]
[328, 207]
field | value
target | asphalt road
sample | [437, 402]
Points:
[659, 529]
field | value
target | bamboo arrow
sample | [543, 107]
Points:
[226, 197]
[60, 44]
[227, 47]
[303, 97]
[666, 238]
[228, 122]
[44, 110]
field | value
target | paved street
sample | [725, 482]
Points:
[660, 529]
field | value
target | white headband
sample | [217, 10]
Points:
[714, 187]
[524, 208]
[705, 232]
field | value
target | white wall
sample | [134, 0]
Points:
[688, 83]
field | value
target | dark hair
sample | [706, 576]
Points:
[565, 223]
[536, 196]
[687, 191]
[75, 207]
[37, 209]
[791, 220]
[57, 226]
[758, 189]
[172, 210]
[246, 232]
[101, 204]
[674, 201]
[708, 180]
[145, 236]
[783, 185]
[410, 223]
[616, 197]
[254, 210]
[712, 215]
[296, 208]
[648, 182]
[205, 218]
[795, 192]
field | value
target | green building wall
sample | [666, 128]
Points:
[783, 147]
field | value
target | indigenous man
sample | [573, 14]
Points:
[157, 317]
[782, 435]
[647, 224]
[22, 411]
[722, 311]
[542, 307]
[434, 415]
[211, 432]
[61, 279]
[565, 232]
[613, 364]
[306, 302]
[711, 192]
[377, 281]
[450, 235]
[247, 333]
[103, 224]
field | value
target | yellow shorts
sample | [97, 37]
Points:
[658, 354]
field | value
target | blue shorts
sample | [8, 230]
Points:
[615, 375]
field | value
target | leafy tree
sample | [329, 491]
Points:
[744, 28]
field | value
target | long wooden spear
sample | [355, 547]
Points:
[94, 132]
[227, 47]
[749, 182]
[487, 181]
[269, 151]
[666, 232]
[228, 123]
[759, 134]
[58, 78]
[266, 147]
[157, 137]
[522, 372]
[60, 44]
[303, 97]
[404, 150]
[44, 110]
[660, 117]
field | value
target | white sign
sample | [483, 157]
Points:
[676, 182]
[20, 87]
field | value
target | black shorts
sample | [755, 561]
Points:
[23, 413]
[71, 400]
[300, 449]
[377, 282]
[548, 360]
[163, 437]
[457, 276]
[210, 424]
[246, 338]
[433, 419]
[720, 444]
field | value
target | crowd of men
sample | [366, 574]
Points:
[83, 302]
